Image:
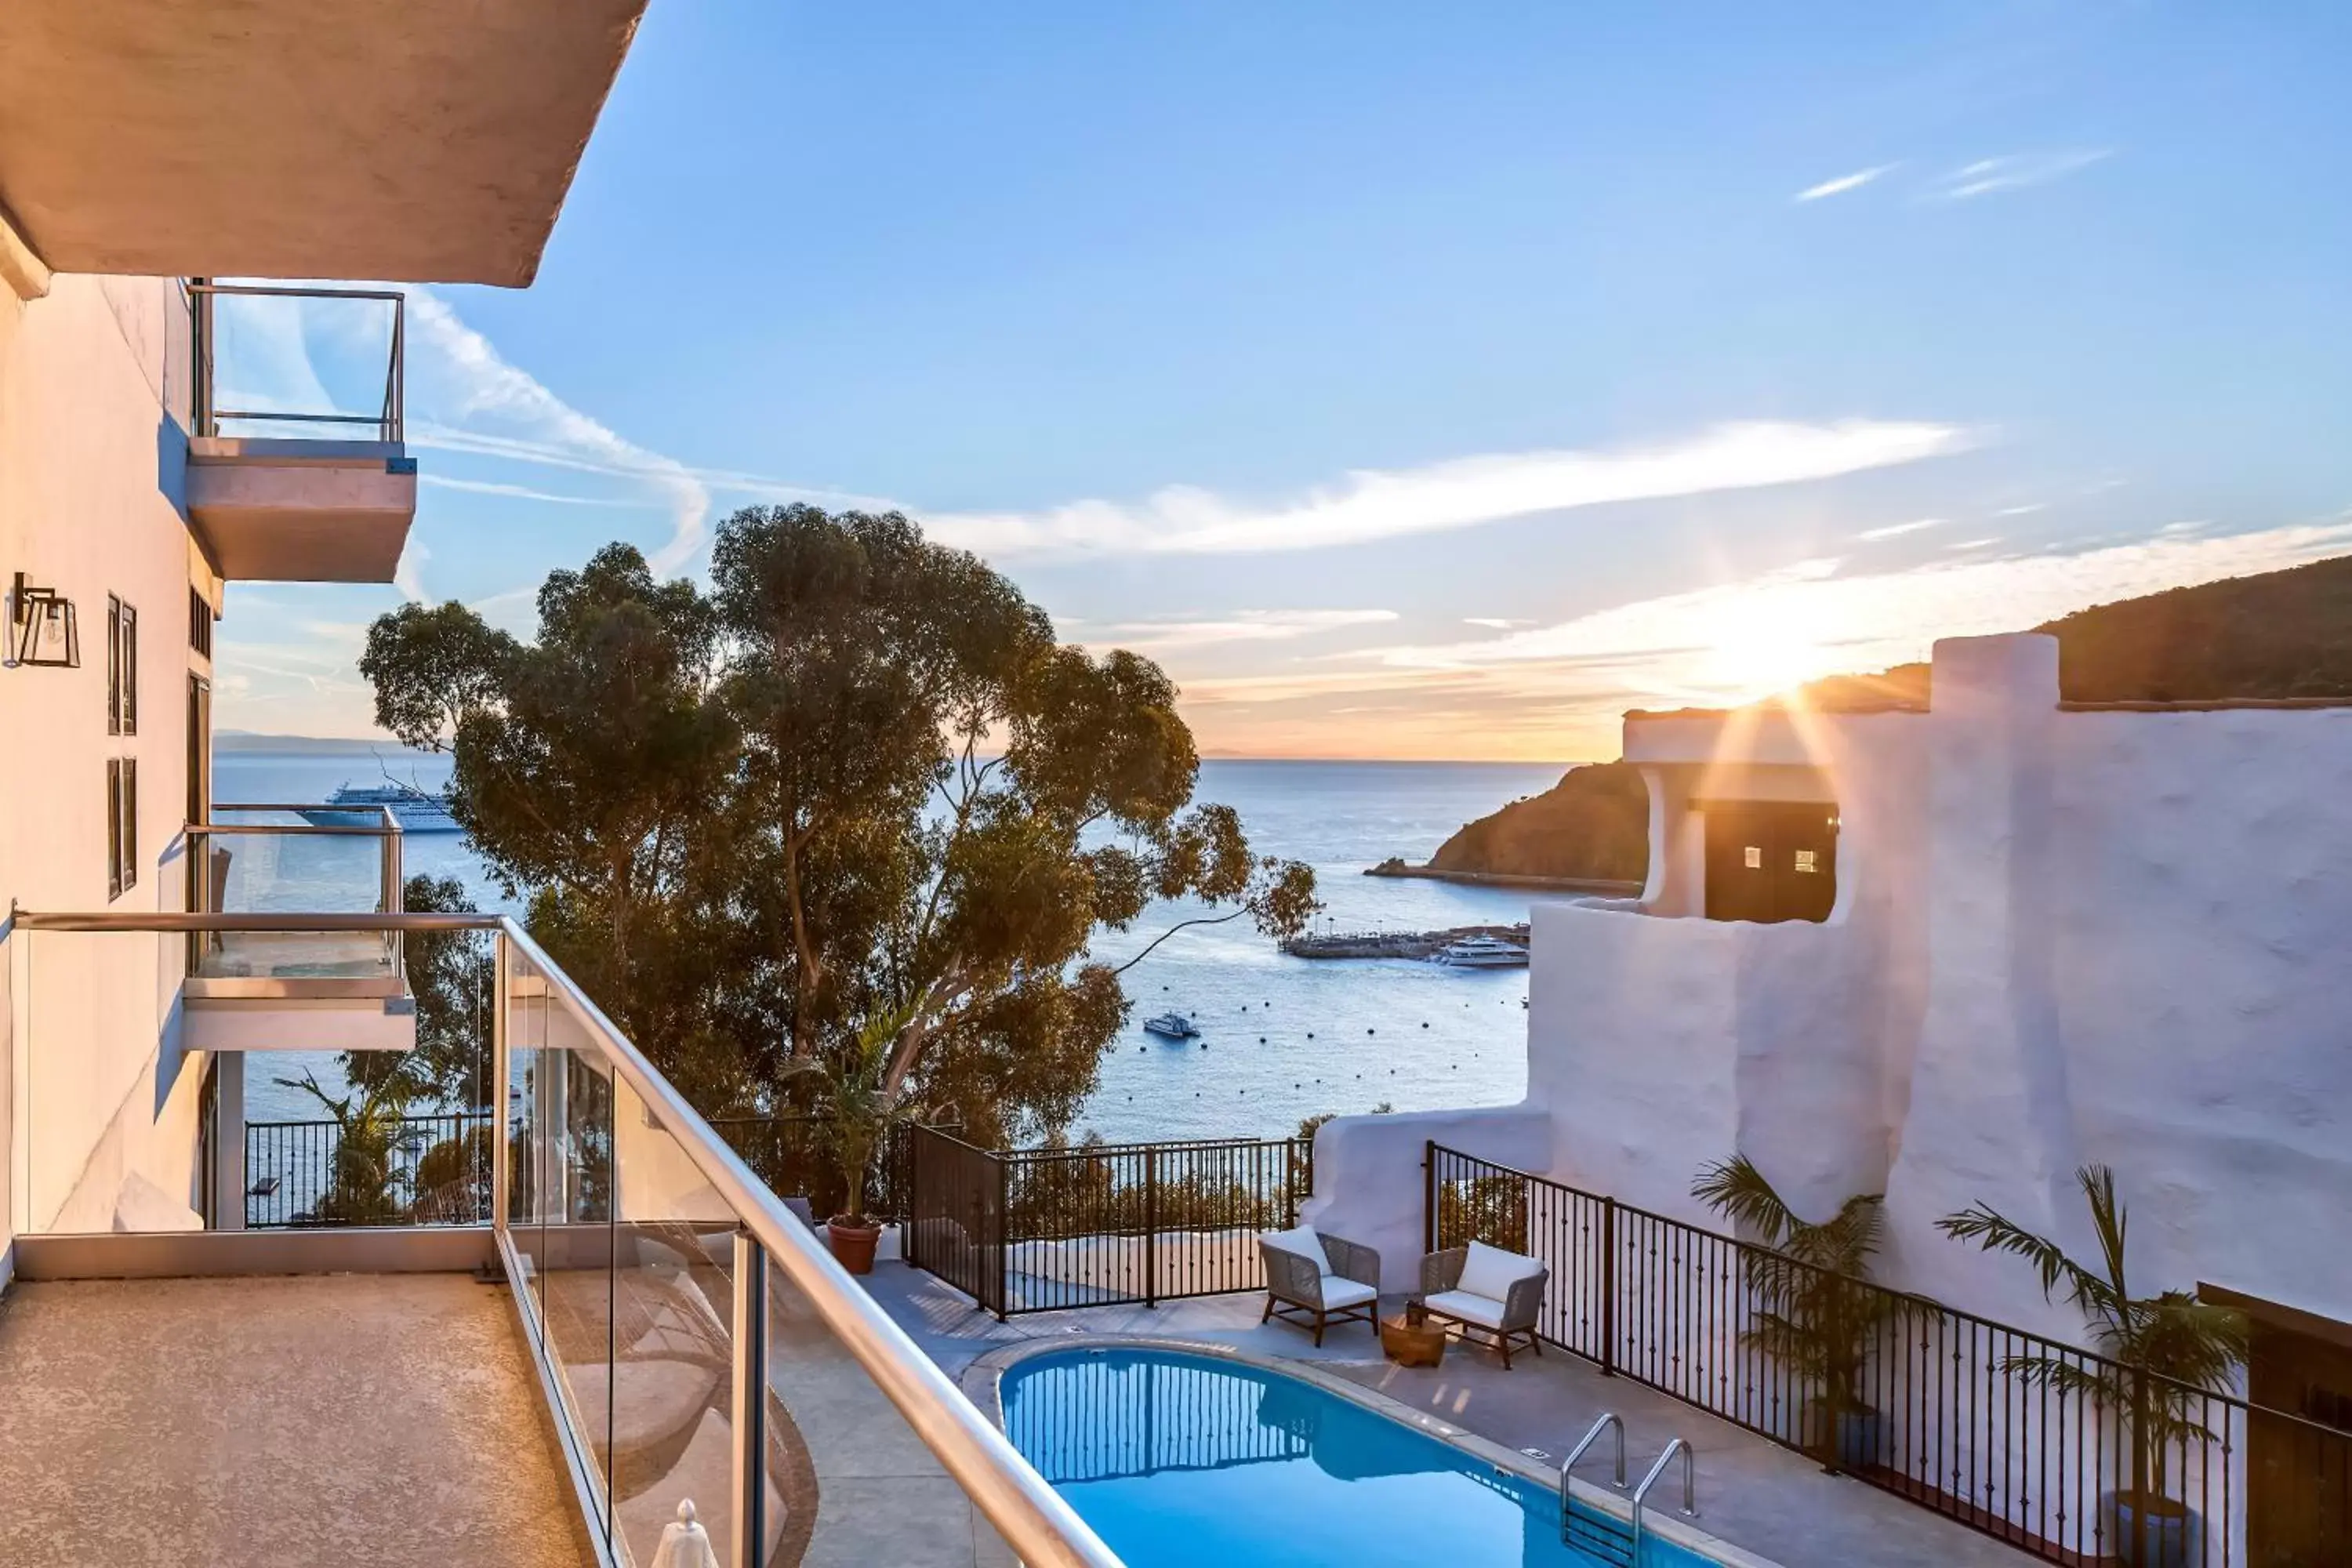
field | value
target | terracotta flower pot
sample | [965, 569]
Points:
[853, 1244]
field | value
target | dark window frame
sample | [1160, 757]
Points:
[121, 826]
[121, 667]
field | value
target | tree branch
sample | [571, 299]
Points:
[1171, 931]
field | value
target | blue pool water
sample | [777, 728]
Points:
[1188, 1461]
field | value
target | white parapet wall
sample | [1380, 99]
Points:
[2060, 936]
[1369, 1185]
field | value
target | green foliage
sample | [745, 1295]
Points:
[1492, 1209]
[363, 1183]
[749, 821]
[1595, 823]
[452, 976]
[2188, 1343]
[1816, 1311]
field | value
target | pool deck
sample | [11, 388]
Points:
[1751, 1492]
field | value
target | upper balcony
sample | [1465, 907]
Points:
[298, 464]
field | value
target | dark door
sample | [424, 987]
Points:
[1770, 861]
[2299, 1474]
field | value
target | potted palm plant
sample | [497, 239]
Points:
[2157, 1351]
[1816, 1313]
[856, 1109]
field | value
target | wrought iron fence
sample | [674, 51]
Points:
[420, 1170]
[1033, 1230]
[794, 1157]
[2040, 1444]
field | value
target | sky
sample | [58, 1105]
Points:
[1410, 381]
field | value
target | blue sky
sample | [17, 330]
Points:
[1412, 380]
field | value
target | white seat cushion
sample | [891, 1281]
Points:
[1490, 1271]
[1461, 1304]
[1303, 1241]
[1339, 1293]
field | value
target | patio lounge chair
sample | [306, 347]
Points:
[1484, 1289]
[1318, 1280]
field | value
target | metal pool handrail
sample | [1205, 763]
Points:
[1609, 1418]
[1690, 1486]
[1042, 1530]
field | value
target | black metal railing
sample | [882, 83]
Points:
[2038, 1443]
[1032, 1230]
[409, 1170]
[792, 1155]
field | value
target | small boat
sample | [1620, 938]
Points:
[1170, 1026]
[1483, 952]
[355, 806]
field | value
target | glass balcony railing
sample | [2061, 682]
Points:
[278, 362]
[273, 859]
[694, 1340]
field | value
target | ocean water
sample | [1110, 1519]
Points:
[1281, 1037]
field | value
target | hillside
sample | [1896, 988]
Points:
[2280, 635]
[1595, 823]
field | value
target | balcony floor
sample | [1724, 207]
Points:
[388, 1419]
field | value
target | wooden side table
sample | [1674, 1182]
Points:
[1411, 1344]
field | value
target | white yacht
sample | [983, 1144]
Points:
[1483, 952]
[1171, 1025]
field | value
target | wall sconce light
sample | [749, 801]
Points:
[43, 630]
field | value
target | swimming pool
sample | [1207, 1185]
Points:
[1183, 1460]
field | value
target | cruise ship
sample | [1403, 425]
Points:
[355, 806]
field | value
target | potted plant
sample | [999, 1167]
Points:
[856, 1109]
[1817, 1313]
[2157, 1351]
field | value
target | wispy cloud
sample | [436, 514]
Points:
[1239, 627]
[521, 492]
[1985, 543]
[1874, 618]
[2016, 172]
[2024, 508]
[1897, 530]
[470, 384]
[1844, 183]
[1460, 493]
[408, 576]
[1494, 623]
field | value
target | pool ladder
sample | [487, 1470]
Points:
[1602, 1534]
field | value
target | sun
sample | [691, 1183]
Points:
[1753, 653]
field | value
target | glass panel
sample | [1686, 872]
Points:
[251, 870]
[110, 1108]
[344, 345]
[353, 956]
[571, 1111]
[673, 1332]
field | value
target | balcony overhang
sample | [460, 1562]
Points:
[302, 511]
[300, 1022]
[426, 140]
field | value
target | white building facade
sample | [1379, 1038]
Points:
[2058, 935]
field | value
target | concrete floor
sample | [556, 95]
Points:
[1752, 1493]
[386, 1419]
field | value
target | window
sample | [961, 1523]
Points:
[121, 668]
[121, 826]
[1808, 861]
[200, 623]
[1752, 856]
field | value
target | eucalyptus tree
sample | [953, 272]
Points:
[860, 778]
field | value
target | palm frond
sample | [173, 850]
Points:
[1737, 1190]
[1994, 1233]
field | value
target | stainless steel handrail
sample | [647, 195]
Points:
[1042, 1528]
[170, 921]
[1690, 1486]
[1609, 1418]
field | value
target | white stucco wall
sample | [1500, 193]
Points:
[2059, 937]
[90, 474]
